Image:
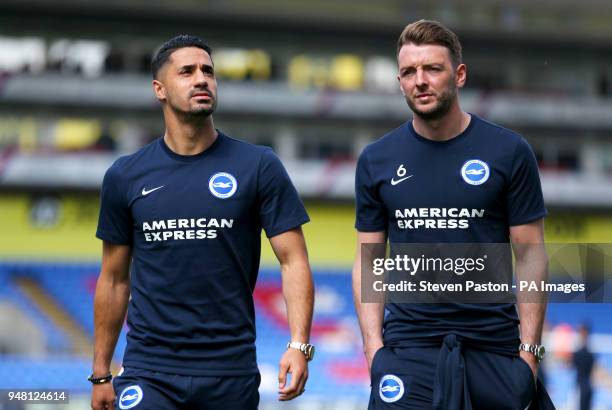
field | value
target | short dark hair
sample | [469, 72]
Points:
[431, 32]
[181, 41]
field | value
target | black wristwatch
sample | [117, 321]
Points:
[100, 380]
[537, 350]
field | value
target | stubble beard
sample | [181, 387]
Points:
[197, 112]
[442, 107]
[201, 112]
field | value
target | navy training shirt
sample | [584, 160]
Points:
[194, 224]
[469, 189]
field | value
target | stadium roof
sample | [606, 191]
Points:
[557, 19]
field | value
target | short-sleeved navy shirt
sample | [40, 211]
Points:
[469, 189]
[194, 224]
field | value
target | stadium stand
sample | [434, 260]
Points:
[338, 371]
[320, 76]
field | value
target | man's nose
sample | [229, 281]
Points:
[200, 78]
[421, 78]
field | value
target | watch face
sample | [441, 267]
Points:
[540, 352]
[310, 352]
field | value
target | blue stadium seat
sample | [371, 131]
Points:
[338, 369]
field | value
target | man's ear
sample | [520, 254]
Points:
[460, 75]
[159, 90]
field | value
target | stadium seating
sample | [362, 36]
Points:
[338, 369]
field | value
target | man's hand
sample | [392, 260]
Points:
[103, 397]
[293, 362]
[370, 351]
[532, 362]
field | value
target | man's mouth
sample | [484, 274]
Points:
[201, 95]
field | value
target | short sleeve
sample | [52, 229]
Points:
[115, 220]
[371, 214]
[281, 208]
[525, 202]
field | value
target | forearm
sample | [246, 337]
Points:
[370, 315]
[532, 319]
[110, 306]
[532, 266]
[298, 291]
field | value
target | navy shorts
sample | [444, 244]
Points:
[403, 378]
[151, 390]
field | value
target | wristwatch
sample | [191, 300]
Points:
[536, 350]
[100, 380]
[306, 348]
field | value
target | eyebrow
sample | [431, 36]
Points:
[428, 65]
[207, 67]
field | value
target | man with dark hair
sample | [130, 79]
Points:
[180, 222]
[448, 176]
[162, 55]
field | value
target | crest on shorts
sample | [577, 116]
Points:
[391, 388]
[130, 397]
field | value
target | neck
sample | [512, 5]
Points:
[445, 128]
[189, 136]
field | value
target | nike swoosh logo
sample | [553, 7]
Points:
[395, 182]
[145, 192]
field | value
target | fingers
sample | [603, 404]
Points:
[103, 398]
[293, 362]
[103, 405]
[370, 353]
[299, 375]
[293, 390]
[302, 384]
[282, 374]
[286, 367]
